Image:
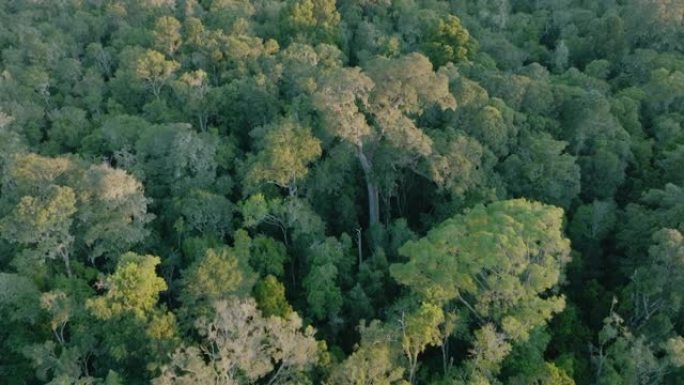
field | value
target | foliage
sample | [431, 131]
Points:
[341, 192]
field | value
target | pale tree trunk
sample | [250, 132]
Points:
[411, 355]
[202, 118]
[65, 257]
[373, 204]
[67, 264]
[413, 365]
[372, 187]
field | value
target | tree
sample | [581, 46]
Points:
[268, 256]
[446, 40]
[187, 367]
[526, 363]
[68, 127]
[242, 344]
[133, 288]
[311, 21]
[41, 225]
[490, 347]
[153, 68]
[291, 215]
[167, 36]
[541, 170]
[462, 254]
[499, 263]
[591, 225]
[286, 150]
[293, 349]
[374, 362]
[493, 125]
[301, 65]
[132, 332]
[323, 293]
[116, 137]
[623, 357]
[12, 141]
[112, 215]
[197, 96]
[652, 299]
[33, 174]
[173, 159]
[19, 326]
[20, 299]
[420, 329]
[63, 365]
[373, 110]
[668, 164]
[66, 207]
[218, 275]
[459, 162]
[203, 212]
[598, 140]
[654, 23]
[270, 296]
[657, 209]
[235, 337]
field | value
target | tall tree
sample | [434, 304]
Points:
[500, 263]
[375, 110]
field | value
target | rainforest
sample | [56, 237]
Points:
[350, 192]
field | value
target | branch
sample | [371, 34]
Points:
[475, 313]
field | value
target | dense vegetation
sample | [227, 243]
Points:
[351, 192]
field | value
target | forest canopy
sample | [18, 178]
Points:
[350, 192]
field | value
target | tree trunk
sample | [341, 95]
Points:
[445, 355]
[373, 204]
[372, 187]
[202, 118]
[413, 365]
[65, 258]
